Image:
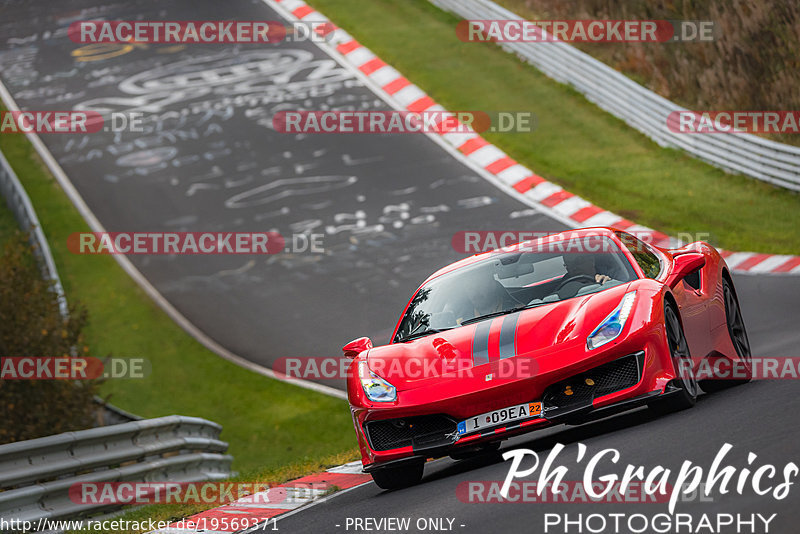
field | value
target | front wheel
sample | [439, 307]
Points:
[738, 335]
[686, 381]
[401, 476]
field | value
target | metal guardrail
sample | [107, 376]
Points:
[36, 475]
[112, 415]
[19, 203]
[766, 160]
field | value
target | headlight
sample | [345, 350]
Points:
[376, 388]
[612, 326]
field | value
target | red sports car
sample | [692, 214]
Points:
[563, 329]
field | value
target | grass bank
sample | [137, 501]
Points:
[576, 144]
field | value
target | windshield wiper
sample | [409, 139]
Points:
[503, 312]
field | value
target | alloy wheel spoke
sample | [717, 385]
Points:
[680, 355]
[736, 326]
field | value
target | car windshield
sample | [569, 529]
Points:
[536, 274]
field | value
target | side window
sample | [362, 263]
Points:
[648, 261]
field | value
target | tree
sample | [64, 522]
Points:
[31, 325]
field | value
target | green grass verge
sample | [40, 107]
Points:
[269, 424]
[576, 144]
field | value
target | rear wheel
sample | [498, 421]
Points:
[401, 476]
[738, 335]
[686, 382]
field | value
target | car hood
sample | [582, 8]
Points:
[478, 349]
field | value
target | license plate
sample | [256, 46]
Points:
[498, 417]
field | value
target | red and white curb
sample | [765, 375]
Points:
[516, 178]
[257, 508]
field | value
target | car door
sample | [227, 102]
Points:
[693, 307]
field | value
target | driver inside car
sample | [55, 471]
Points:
[484, 296]
[582, 264]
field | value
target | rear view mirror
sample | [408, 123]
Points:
[356, 347]
[685, 264]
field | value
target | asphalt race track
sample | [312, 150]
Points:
[388, 207]
[755, 417]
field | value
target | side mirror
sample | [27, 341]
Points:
[685, 264]
[356, 347]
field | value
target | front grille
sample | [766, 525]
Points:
[395, 433]
[585, 387]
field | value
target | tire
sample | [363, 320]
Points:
[687, 385]
[402, 476]
[739, 339]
